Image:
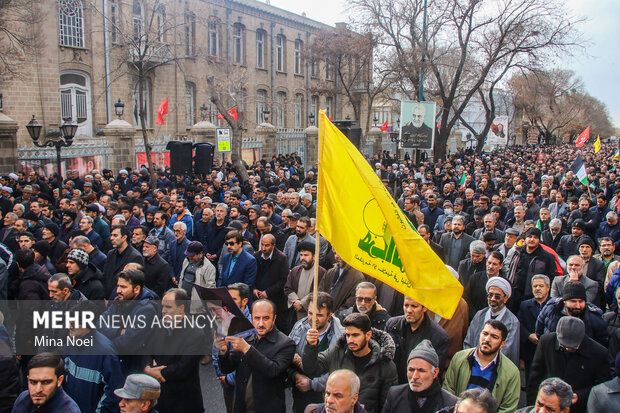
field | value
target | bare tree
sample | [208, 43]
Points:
[20, 35]
[153, 35]
[468, 43]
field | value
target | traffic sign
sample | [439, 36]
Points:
[224, 138]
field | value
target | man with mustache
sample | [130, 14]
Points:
[486, 367]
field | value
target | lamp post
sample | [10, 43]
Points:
[119, 108]
[311, 117]
[266, 113]
[397, 139]
[203, 112]
[68, 130]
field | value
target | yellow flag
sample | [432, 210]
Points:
[356, 213]
[597, 144]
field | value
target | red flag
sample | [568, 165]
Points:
[232, 112]
[384, 126]
[583, 137]
[163, 110]
[330, 118]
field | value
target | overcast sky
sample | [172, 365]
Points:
[599, 67]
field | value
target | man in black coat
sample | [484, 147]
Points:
[120, 255]
[571, 356]
[260, 362]
[528, 314]
[456, 243]
[551, 237]
[422, 392]
[272, 270]
[86, 278]
[178, 369]
[411, 329]
[156, 269]
[57, 247]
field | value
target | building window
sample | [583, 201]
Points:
[329, 104]
[213, 40]
[314, 104]
[329, 70]
[114, 20]
[261, 105]
[260, 48]
[71, 23]
[146, 85]
[298, 46]
[137, 22]
[299, 110]
[238, 43]
[314, 68]
[190, 34]
[190, 103]
[383, 114]
[75, 100]
[161, 24]
[281, 109]
[280, 53]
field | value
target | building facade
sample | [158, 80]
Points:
[94, 53]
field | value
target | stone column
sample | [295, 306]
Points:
[8, 145]
[121, 135]
[312, 146]
[267, 133]
[374, 135]
[204, 132]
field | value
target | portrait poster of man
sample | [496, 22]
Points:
[228, 318]
[418, 125]
[498, 135]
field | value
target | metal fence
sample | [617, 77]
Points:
[82, 156]
[292, 140]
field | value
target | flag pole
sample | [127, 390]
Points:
[317, 235]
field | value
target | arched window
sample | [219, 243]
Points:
[146, 86]
[75, 100]
[329, 103]
[137, 21]
[71, 23]
[190, 34]
[261, 105]
[298, 46]
[281, 109]
[299, 110]
[314, 104]
[238, 43]
[261, 35]
[280, 53]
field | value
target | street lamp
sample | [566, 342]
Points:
[68, 130]
[119, 108]
[396, 138]
[311, 117]
[266, 113]
[203, 112]
[375, 120]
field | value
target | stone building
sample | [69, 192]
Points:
[92, 49]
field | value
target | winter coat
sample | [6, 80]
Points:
[166, 238]
[90, 283]
[113, 266]
[547, 321]
[605, 397]
[523, 267]
[376, 378]
[97, 258]
[399, 400]
[157, 274]
[582, 369]
[205, 277]
[345, 296]
[377, 314]
[177, 256]
[429, 329]
[60, 402]
[92, 374]
[266, 361]
[507, 387]
[31, 284]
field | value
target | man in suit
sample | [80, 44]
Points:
[272, 270]
[528, 314]
[238, 265]
[489, 226]
[455, 244]
[121, 254]
[340, 282]
[551, 237]
[595, 269]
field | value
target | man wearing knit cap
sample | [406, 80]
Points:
[568, 243]
[593, 268]
[572, 356]
[573, 303]
[498, 292]
[575, 269]
[422, 393]
[57, 247]
[86, 279]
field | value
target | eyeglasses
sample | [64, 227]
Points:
[496, 296]
[364, 299]
[230, 243]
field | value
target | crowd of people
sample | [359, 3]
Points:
[536, 330]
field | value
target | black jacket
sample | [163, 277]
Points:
[31, 284]
[266, 361]
[428, 330]
[113, 266]
[523, 267]
[582, 369]
[57, 249]
[547, 239]
[181, 391]
[90, 283]
[400, 397]
[271, 276]
[157, 275]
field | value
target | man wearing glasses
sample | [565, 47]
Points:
[366, 303]
[238, 265]
[498, 293]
